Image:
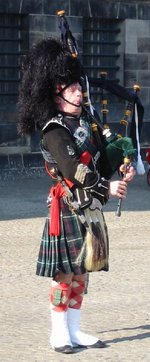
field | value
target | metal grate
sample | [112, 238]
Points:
[10, 51]
[100, 50]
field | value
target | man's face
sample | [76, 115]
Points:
[73, 94]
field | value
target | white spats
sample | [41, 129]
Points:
[60, 334]
[78, 337]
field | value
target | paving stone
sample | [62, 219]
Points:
[116, 308]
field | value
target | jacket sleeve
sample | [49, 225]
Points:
[63, 149]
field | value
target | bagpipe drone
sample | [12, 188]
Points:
[118, 147]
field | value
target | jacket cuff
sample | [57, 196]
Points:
[100, 189]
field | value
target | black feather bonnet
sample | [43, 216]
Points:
[47, 64]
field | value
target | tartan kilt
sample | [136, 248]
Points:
[59, 253]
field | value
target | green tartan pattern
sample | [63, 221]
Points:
[60, 253]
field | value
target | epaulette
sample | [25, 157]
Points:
[55, 120]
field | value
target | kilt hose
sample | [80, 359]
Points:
[60, 253]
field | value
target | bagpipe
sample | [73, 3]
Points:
[119, 148]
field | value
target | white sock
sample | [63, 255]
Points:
[60, 333]
[78, 337]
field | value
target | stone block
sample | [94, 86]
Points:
[143, 45]
[144, 95]
[35, 36]
[102, 9]
[15, 161]
[33, 160]
[81, 8]
[24, 23]
[10, 99]
[75, 23]
[136, 61]
[51, 7]
[35, 141]
[8, 59]
[136, 28]
[143, 11]
[130, 77]
[8, 114]
[146, 115]
[145, 134]
[131, 45]
[8, 73]
[127, 10]
[9, 6]
[3, 161]
[32, 6]
[8, 134]
[51, 34]
[144, 78]
[24, 41]
[22, 7]
[43, 23]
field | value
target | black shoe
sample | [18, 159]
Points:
[64, 349]
[98, 344]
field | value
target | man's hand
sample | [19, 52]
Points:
[118, 188]
[130, 172]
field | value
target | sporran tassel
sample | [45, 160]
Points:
[95, 257]
[94, 253]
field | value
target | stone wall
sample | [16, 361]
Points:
[123, 9]
[137, 66]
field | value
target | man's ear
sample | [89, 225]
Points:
[57, 100]
[59, 88]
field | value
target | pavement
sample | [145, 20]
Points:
[117, 306]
